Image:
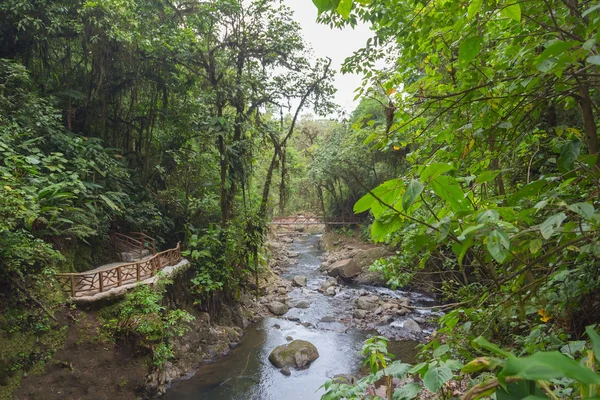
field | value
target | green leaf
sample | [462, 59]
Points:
[326, 5]
[364, 203]
[434, 170]
[548, 227]
[531, 189]
[535, 245]
[435, 377]
[344, 8]
[447, 188]
[483, 343]
[407, 392]
[568, 154]
[474, 8]
[443, 349]
[586, 210]
[555, 49]
[498, 244]
[413, 191]
[512, 11]
[519, 391]
[396, 369]
[469, 49]
[595, 339]
[595, 59]
[548, 365]
[487, 176]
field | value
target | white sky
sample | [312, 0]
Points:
[333, 43]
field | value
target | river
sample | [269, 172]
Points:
[246, 373]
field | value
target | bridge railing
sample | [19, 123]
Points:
[310, 220]
[90, 283]
[135, 241]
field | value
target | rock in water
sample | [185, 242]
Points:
[285, 371]
[334, 269]
[298, 354]
[359, 314]
[299, 280]
[302, 304]
[412, 325]
[367, 302]
[277, 308]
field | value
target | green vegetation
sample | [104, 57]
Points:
[492, 108]
[140, 116]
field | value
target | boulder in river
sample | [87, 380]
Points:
[334, 269]
[330, 291]
[302, 304]
[368, 303]
[299, 280]
[412, 326]
[349, 270]
[277, 308]
[298, 354]
[359, 314]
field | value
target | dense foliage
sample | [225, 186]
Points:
[494, 105]
[140, 115]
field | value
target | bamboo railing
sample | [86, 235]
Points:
[90, 283]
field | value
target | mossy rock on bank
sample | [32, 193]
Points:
[298, 354]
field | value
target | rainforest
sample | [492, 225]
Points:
[198, 202]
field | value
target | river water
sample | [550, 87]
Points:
[246, 373]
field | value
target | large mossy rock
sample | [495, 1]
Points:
[297, 354]
[277, 307]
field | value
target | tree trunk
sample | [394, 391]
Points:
[587, 112]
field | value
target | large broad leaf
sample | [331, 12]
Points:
[498, 244]
[397, 369]
[586, 210]
[555, 49]
[469, 49]
[549, 226]
[512, 11]
[449, 189]
[407, 392]
[568, 154]
[531, 189]
[434, 170]
[548, 365]
[435, 377]
[388, 192]
[381, 228]
[413, 191]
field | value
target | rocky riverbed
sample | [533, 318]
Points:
[323, 293]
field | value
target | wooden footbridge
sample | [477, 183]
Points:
[315, 220]
[145, 264]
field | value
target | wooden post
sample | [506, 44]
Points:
[137, 272]
[72, 285]
[100, 281]
[119, 276]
